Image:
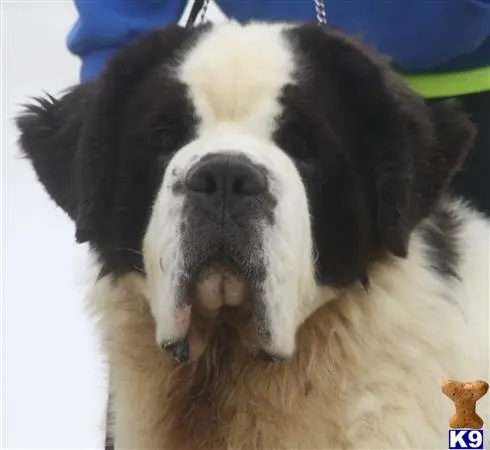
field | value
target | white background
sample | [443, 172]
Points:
[53, 378]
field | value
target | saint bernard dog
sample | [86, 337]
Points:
[282, 263]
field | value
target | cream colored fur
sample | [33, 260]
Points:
[367, 372]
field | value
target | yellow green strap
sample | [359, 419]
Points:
[450, 84]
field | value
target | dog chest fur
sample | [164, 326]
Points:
[366, 374]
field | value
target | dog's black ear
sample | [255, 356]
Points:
[409, 184]
[407, 152]
[99, 144]
[73, 142]
[49, 134]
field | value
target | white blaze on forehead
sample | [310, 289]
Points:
[235, 74]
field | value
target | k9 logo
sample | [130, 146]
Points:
[465, 439]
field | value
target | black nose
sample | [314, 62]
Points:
[226, 174]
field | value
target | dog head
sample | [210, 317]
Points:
[242, 168]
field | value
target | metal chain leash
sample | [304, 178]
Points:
[198, 12]
[321, 13]
[202, 16]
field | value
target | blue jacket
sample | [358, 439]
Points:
[420, 35]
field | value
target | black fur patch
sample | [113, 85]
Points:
[101, 150]
[50, 129]
[472, 182]
[374, 158]
[441, 235]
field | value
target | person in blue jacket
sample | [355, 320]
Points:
[441, 48]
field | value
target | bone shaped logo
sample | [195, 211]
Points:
[465, 395]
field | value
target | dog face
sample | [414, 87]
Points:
[241, 168]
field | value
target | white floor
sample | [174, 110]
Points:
[54, 385]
